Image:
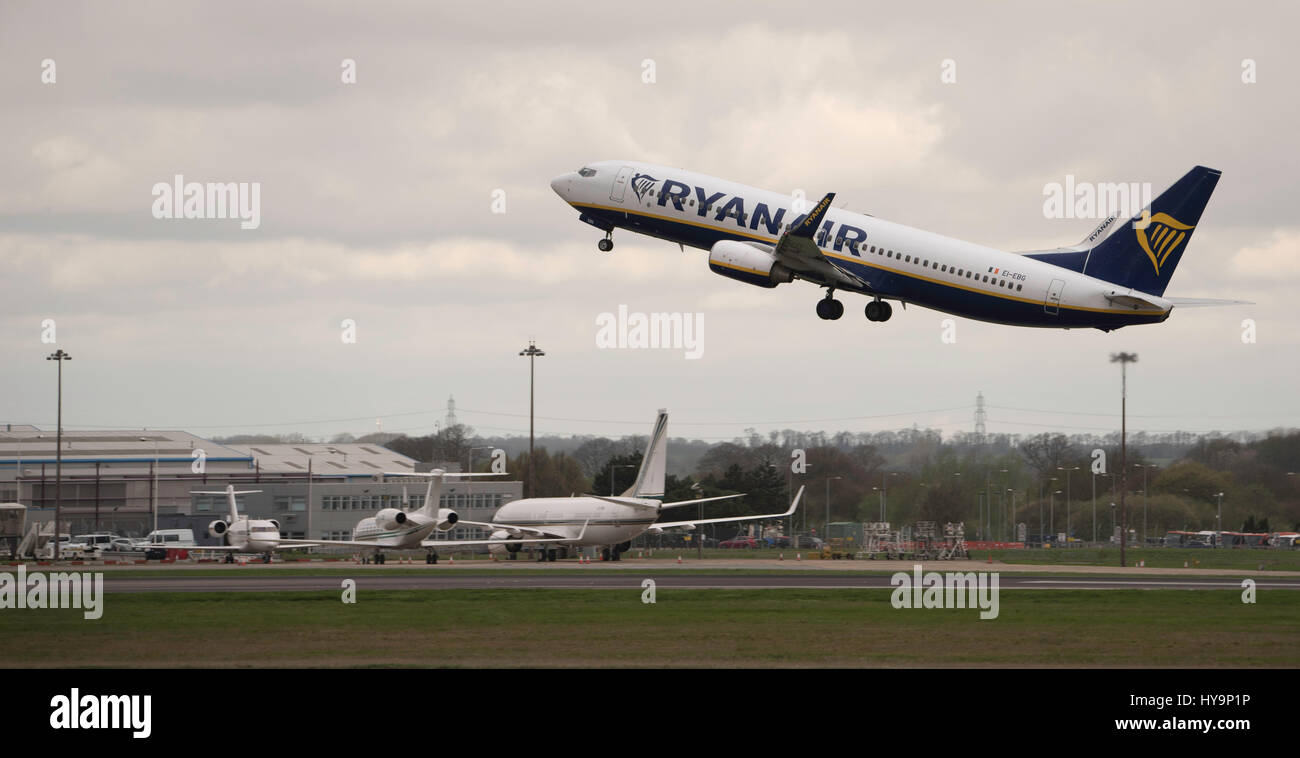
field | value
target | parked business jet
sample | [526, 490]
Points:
[610, 523]
[1115, 277]
[240, 534]
[397, 529]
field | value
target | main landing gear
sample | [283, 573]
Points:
[606, 244]
[377, 559]
[828, 308]
[547, 555]
[431, 557]
[879, 310]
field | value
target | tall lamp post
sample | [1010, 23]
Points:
[60, 356]
[826, 535]
[1218, 536]
[153, 486]
[612, 470]
[1051, 512]
[532, 352]
[1145, 498]
[1067, 470]
[1123, 359]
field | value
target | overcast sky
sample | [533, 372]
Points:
[376, 206]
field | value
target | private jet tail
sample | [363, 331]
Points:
[654, 464]
[433, 494]
[230, 493]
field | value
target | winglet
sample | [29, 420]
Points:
[795, 504]
[813, 220]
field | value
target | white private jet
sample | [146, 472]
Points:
[240, 534]
[1115, 277]
[610, 523]
[394, 529]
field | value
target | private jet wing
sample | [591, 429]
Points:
[797, 249]
[692, 524]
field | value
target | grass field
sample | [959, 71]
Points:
[575, 628]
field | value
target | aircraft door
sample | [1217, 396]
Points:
[620, 184]
[1052, 304]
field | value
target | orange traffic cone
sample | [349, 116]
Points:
[452, 560]
[798, 556]
[780, 557]
[1184, 564]
[679, 559]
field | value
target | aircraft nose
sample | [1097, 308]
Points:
[563, 184]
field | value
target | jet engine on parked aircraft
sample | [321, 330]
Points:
[217, 528]
[505, 545]
[447, 518]
[748, 263]
[390, 518]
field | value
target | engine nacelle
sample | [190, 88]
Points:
[748, 263]
[217, 528]
[447, 518]
[502, 544]
[390, 518]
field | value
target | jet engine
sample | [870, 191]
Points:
[390, 518]
[447, 518]
[748, 263]
[217, 528]
[502, 543]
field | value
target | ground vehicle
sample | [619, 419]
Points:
[169, 538]
[739, 542]
[97, 542]
[808, 542]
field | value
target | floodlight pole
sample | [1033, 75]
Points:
[532, 352]
[1123, 359]
[60, 357]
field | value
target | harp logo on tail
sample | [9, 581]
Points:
[1161, 238]
[641, 184]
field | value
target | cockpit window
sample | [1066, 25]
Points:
[584, 171]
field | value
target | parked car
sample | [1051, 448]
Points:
[808, 542]
[738, 542]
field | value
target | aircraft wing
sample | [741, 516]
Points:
[519, 541]
[515, 531]
[694, 523]
[798, 249]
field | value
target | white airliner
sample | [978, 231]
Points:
[610, 523]
[1115, 277]
[240, 534]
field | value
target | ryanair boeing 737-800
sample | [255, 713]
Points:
[1116, 277]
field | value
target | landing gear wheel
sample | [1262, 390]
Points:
[829, 309]
[605, 245]
[873, 310]
[886, 310]
[604, 554]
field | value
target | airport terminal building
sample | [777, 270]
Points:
[121, 481]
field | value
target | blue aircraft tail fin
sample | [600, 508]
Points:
[1143, 253]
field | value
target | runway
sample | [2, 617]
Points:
[663, 581]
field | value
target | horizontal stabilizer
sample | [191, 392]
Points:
[1203, 302]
